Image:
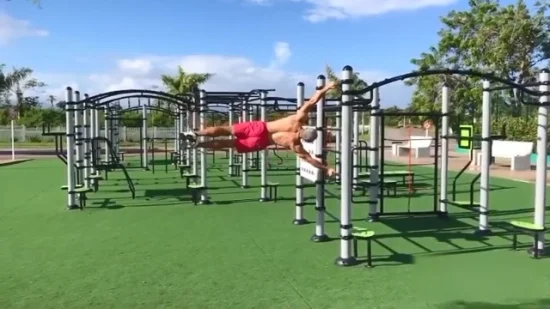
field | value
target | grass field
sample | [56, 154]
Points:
[160, 251]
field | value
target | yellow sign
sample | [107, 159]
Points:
[465, 134]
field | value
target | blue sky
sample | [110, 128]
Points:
[103, 45]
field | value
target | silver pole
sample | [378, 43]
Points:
[356, 152]
[300, 202]
[485, 160]
[69, 115]
[345, 258]
[263, 153]
[374, 158]
[444, 150]
[116, 128]
[106, 130]
[205, 199]
[182, 123]
[96, 133]
[79, 160]
[196, 124]
[87, 141]
[145, 140]
[91, 135]
[189, 125]
[320, 208]
[338, 141]
[231, 153]
[244, 162]
[542, 165]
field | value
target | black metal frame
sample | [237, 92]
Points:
[436, 119]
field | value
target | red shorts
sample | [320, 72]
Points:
[251, 136]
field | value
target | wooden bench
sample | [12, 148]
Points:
[528, 228]
[519, 154]
[419, 145]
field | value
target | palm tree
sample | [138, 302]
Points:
[184, 83]
[357, 84]
[52, 99]
[15, 82]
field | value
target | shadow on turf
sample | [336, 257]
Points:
[543, 303]
[402, 190]
[444, 231]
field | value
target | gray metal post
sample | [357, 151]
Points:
[188, 126]
[320, 208]
[374, 157]
[244, 162]
[485, 160]
[177, 130]
[205, 199]
[91, 135]
[69, 123]
[87, 113]
[97, 129]
[145, 140]
[231, 152]
[345, 258]
[356, 152]
[196, 126]
[106, 130]
[116, 127]
[300, 202]
[79, 115]
[444, 174]
[338, 141]
[263, 153]
[542, 165]
[183, 125]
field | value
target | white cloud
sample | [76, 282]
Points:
[231, 73]
[282, 53]
[321, 10]
[135, 66]
[12, 28]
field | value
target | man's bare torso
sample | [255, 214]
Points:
[285, 131]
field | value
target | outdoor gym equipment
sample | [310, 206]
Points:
[347, 104]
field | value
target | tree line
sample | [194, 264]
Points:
[511, 41]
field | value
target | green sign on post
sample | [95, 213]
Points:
[465, 134]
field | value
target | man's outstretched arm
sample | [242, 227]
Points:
[304, 155]
[316, 97]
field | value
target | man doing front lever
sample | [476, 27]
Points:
[257, 135]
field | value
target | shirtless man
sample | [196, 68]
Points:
[257, 135]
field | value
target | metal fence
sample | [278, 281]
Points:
[33, 134]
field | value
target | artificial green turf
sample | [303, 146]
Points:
[160, 251]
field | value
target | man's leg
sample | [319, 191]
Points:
[191, 136]
[217, 144]
[215, 131]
